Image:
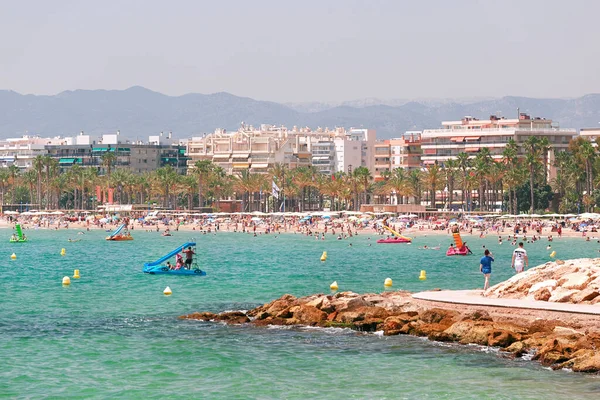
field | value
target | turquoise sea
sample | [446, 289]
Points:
[113, 334]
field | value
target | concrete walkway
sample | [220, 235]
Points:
[474, 297]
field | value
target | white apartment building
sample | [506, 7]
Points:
[258, 149]
[590, 133]
[21, 151]
[469, 135]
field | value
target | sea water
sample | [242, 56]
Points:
[114, 334]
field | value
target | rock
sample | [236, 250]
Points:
[362, 313]
[285, 313]
[437, 316]
[233, 317]
[562, 295]
[590, 362]
[470, 332]
[542, 294]
[368, 325]
[561, 330]
[202, 316]
[309, 315]
[584, 360]
[517, 349]
[550, 283]
[317, 303]
[560, 262]
[542, 325]
[502, 338]
[551, 352]
[274, 307]
[586, 294]
[479, 315]
[576, 280]
[392, 325]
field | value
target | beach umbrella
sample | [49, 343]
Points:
[11, 212]
[326, 217]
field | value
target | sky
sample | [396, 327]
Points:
[301, 51]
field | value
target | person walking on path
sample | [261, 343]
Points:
[520, 259]
[485, 266]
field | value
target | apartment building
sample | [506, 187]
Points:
[469, 135]
[21, 151]
[258, 149]
[590, 133]
[87, 150]
[402, 152]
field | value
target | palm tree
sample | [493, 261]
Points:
[51, 165]
[451, 170]
[433, 178]
[399, 184]
[533, 158]
[278, 174]
[364, 179]
[202, 170]
[481, 167]
[464, 164]
[38, 165]
[4, 179]
[509, 158]
[243, 184]
[13, 172]
[302, 179]
[108, 160]
[415, 184]
[30, 178]
[165, 177]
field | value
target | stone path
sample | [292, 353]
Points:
[473, 297]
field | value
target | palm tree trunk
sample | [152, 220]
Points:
[531, 188]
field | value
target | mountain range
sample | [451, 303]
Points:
[138, 112]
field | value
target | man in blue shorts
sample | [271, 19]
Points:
[485, 266]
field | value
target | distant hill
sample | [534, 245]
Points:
[138, 112]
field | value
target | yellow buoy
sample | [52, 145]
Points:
[63, 251]
[387, 282]
[167, 291]
[13, 256]
[423, 275]
[333, 286]
[324, 256]
[66, 280]
[553, 254]
[76, 274]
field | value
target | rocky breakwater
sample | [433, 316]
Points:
[553, 340]
[573, 281]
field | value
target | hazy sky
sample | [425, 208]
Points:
[285, 50]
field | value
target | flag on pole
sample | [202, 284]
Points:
[275, 190]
